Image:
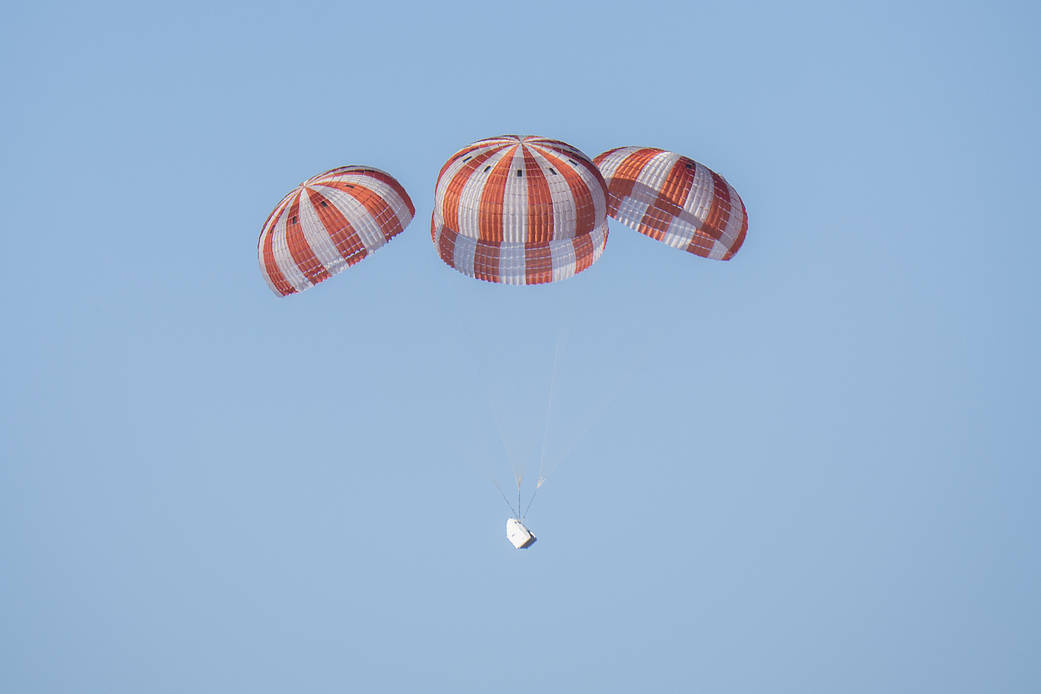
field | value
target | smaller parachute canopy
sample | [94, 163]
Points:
[328, 223]
[519, 210]
[675, 200]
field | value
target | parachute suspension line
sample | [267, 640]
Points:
[538, 485]
[519, 477]
[504, 498]
[561, 338]
[492, 412]
[561, 341]
[592, 418]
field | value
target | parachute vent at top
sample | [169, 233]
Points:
[519, 210]
[328, 223]
[675, 200]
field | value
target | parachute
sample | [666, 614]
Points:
[329, 223]
[675, 200]
[519, 210]
[512, 210]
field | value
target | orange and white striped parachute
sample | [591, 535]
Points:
[519, 210]
[674, 200]
[328, 223]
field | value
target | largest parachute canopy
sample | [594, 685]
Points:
[519, 210]
[328, 223]
[675, 200]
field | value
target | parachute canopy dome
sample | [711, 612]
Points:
[675, 200]
[519, 210]
[328, 223]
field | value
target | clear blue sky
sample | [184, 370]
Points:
[814, 468]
